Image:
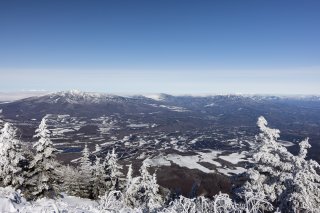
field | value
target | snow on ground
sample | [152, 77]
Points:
[234, 158]
[12, 202]
[172, 108]
[106, 124]
[157, 161]
[229, 171]
[286, 143]
[211, 105]
[196, 139]
[156, 97]
[190, 162]
[208, 157]
[193, 161]
[60, 131]
[138, 125]
[108, 143]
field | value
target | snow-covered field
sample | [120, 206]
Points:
[194, 161]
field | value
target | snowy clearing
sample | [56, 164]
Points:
[193, 161]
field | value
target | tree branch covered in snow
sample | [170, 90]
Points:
[10, 157]
[289, 182]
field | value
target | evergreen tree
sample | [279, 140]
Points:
[129, 176]
[113, 171]
[10, 157]
[290, 182]
[71, 180]
[98, 148]
[85, 163]
[303, 192]
[149, 189]
[99, 179]
[143, 191]
[43, 179]
[131, 188]
[86, 171]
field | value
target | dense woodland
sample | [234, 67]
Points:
[278, 181]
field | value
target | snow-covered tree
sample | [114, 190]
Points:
[254, 203]
[143, 190]
[181, 205]
[290, 182]
[129, 176]
[86, 171]
[132, 197]
[98, 148]
[10, 157]
[132, 189]
[113, 171]
[303, 192]
[221, 203]
[71, 180]
[155, 199]
[112, 202]
[98, 179]
[85, 162]
[42, 176]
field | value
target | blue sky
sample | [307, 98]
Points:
[166, 46]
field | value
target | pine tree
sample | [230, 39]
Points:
[43, 179]
[10, 157]
[303, 193]
[85, 163]
[113, 171]
[98, 148]
[290, 182]
[71, 180]
[155, 199]
[129, 176]
[149, 189]
[99, 179]
[143, 191]
[131, 189]
[86, 171]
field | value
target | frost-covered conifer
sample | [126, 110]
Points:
[131, 190]
[85, 163]
[113, 171]
[10, 157]
[290, 182]
[98, 179]
[86, 171]
[143, 190]
[129, 176]
[43, 175]
[303, 193]
[71, 180]
[98, 148]
[155, 199]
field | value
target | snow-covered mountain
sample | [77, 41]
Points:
[228, 109]
[77, 97]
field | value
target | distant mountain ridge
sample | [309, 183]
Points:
[82, 96]
[240, 108]
[85, 112]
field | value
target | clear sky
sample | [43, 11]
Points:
[171, 46]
